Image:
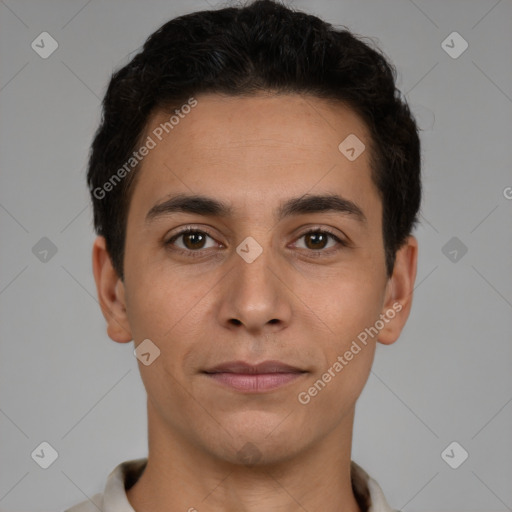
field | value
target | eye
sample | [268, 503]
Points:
[318, 239]
[191, 240]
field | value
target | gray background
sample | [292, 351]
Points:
[448, 378]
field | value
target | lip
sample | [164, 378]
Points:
[254, 378]
[252, 369]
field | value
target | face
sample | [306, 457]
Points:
[283, 263]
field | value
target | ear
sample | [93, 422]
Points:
[111, 293]
[399, 292]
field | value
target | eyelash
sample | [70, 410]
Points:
[197, 253]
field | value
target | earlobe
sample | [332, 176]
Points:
[111, 293]
[399, 292]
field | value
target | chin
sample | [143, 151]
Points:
[260, 445]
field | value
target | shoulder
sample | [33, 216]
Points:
[367, 491]
[113, 498]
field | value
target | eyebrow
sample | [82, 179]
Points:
[207, 206]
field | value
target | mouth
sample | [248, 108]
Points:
[254, 378]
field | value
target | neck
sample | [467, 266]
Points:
[180, 475]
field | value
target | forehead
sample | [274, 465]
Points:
[257, 148]
[304, 124]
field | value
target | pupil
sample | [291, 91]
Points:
[317, 237]
[195, 239]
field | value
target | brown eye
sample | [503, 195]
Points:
[191, 240]
[194, 240]
[316, 240]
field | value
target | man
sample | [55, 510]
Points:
[255, 182]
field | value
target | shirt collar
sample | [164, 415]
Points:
[367, 491]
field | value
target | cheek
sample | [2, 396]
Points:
[171, 311]
[164, 310]
[357, 309]
[158, 298]
[347, 350]
[346, 300]
[350, 308]
[331, 394]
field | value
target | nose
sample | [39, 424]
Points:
[255, 295]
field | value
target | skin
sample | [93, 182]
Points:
[289, 304]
